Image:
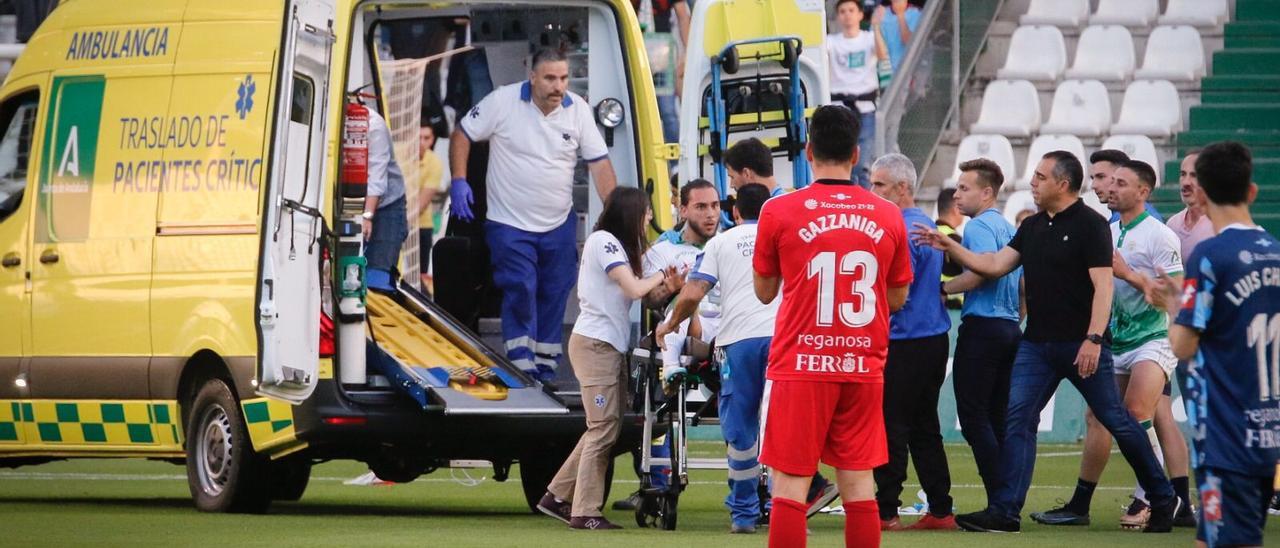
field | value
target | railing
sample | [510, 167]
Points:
[922, 101]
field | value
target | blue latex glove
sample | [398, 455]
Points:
[460, 199]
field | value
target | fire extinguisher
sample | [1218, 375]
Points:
[355, 149]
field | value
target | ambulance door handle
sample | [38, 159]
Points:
[11, 260]
[49, 257]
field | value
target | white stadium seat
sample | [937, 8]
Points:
[1130, 13]
[1150, 107]
[1035, 53]
[1017, 202]
[1062, 13]
[1010, 108]
[1039, 147]
[1104, 53]
[1080, 107]
[1138, 147]
[992, 147]
[1198, 13]
[1173, 53]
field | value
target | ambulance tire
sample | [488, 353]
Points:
[224, 474]
[536, 474]
[289, 478]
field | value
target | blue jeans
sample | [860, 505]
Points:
[1037, 371]
[670, 116]
[535, 271]
[382, 251]
[983, 362]
[866, 150]
[741, 393]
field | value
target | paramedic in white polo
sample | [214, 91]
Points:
[537, 131]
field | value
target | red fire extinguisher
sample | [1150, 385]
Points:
[355, 149]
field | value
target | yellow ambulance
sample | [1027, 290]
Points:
[176, 246]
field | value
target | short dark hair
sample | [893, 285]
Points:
[833, 133]
[841, 2]
[1112, 155]
[946, 199]
[1146, 174]
[547, 55]
[1225, 171]
[750, 153]
[1067, 166]
[691, 186]
[989, 173]
[751, 197]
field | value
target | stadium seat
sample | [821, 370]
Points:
[1010, 108]
[1017, 202]
[1062, 13]
[1044, 144]
[1081, 108]
[1138, 147]
[1130, 13]
[1198, 13]
[1173, 53]
[1150, 107]
[1036, 53]
[992, 147]
[1104, 53]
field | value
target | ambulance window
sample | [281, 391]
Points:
[303, 98]
[17, 118]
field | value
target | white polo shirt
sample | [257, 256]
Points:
[606, 310]
[726, 263]
[532, 156]
[682, 255]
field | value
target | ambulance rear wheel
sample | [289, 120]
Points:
[224, 474]
[289, 478]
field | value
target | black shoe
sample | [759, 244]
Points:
[1161, 520]
[1186, 516]
[988, 522]
[555, 508]
[821, 498]
[1063, 515]
[629, 503]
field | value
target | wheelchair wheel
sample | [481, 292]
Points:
[730, 62]
[789, 54]
[667, 514]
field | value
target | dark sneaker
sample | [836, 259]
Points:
[988, 522]
[593, 523]
[743, 529]
[558, 509]
[1186, 516]
[1136, 515]
[628, 503]
[1060, 516]
[1275, 506]
[821, 498]
[1161, 518]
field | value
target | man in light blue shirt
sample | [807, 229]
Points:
[385, 224]
[989, 325]
[896, 26]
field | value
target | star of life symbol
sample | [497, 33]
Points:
[599, 400]
[849, 363]
[811, 204]
[610, 248]
[475, 112]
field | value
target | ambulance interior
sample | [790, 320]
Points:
[428, 66]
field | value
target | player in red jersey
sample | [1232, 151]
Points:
[840, 255]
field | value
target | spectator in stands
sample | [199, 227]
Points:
[916, 366]
[949, 221]
[989, 322]
[750, 161]
[1066, 255]
[896, 26]
[853, 55]
[430, 179]
[1191, 224]
[669, 15]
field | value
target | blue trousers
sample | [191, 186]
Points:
[741, 391]
[866, 150]
[382, 250]
[535, 271]
[1037, 371]
[983, 362]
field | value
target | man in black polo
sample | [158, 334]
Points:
[1065, 253]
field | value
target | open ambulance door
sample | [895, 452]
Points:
[289, 287]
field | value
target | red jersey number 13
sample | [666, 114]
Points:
[858, 307]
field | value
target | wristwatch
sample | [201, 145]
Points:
[367, 215]
[1094, 338]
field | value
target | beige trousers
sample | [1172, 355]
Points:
[601, 370]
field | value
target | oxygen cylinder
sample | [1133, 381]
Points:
[351, 314]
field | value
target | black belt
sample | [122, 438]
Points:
[849, 100]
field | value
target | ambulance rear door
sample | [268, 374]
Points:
[289, 277]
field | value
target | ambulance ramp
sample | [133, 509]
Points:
[439, 365]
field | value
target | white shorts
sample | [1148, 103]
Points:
[1157, 351]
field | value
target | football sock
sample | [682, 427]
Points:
[1182, 488]
[786, 524]
[862, 524]
[1083, 497]
[1148, 427]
